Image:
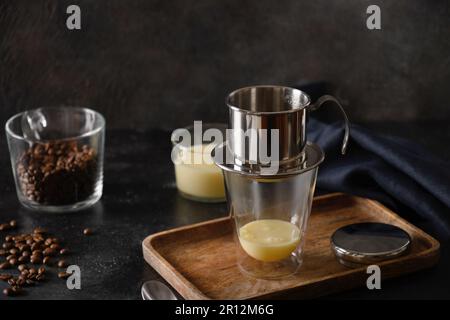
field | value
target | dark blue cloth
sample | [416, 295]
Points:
[400, 174]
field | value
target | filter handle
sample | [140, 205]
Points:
[327, 98]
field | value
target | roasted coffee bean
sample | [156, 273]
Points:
[16, 290]
[30, 241]
[14, 251]
[63, 251]
[39, 230]
[36, 253]
[5, 277]
[30, 282]
[40, 277]
[11, 256]
[9, 238]
[7, 245]
[13, 261]
[23, 259]
[60, 174]
[5, 265]
[39, 240]
[12, 282]
[36, 259]
[21, 267]
[49, 252]
[8, 292]
[47, 261]
[87, 232]
[32, 276]
[4, 226]
[63, 275]
[32, 271]
[13, 223]
[48, 241]
[55, 246]
[21, 281]
[24, 247]
[41, 270]
[62, 264]
[25, 272]
[35, 246]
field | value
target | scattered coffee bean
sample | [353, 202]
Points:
[13, 223]
[49, 252]
[33, 248]
[30, 282]
[21, 267]
[21, 281]
[8, 292]
[16, 290]
[23, 247]
[23, 259]
[7, 245]
[35, 259]
[5, 277]
[39, 230]
[40, 277]
[63, 275]
[47, 261]
[62, 264]
[87, 232]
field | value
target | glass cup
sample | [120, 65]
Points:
[197, 177]
[57, 157]
[271, 214]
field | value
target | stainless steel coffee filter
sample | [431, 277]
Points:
[272, 108]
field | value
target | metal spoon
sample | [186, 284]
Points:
[156, 290]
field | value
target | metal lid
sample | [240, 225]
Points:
[362, 244]
[225, 159]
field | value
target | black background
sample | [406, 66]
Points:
[147, 63]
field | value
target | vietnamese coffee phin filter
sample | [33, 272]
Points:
[270, 201]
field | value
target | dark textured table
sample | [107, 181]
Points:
[140, 198]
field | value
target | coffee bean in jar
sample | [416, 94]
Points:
[58, 173]
[57, 157]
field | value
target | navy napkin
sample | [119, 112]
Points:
[399, 173]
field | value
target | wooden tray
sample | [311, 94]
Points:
[199, 260]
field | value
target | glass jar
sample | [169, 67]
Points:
[57, 157]
[197, 177]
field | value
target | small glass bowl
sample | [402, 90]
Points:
[57, 165]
